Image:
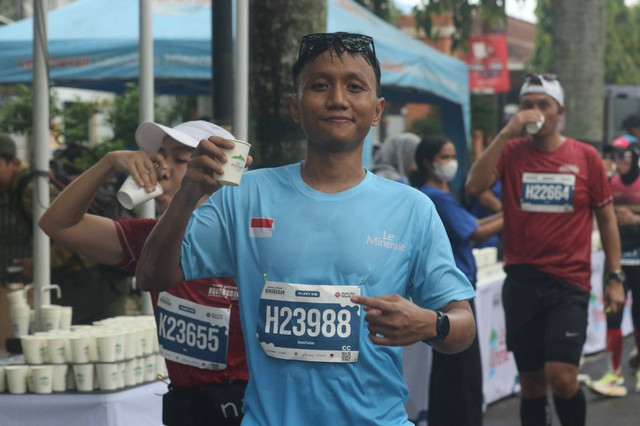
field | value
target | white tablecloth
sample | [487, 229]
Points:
[139, 406]
[500, 376]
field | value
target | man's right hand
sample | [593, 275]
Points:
[145, 167]
[518, 121]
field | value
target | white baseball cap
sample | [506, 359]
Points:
[543, 83]
[150, 135]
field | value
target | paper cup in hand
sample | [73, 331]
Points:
[234, 167]
[534, 127]
[130, 195]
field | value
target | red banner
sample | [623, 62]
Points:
[487, 60]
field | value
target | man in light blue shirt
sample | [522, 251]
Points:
[336, 268]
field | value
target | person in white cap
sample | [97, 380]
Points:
[205, 358]
[552, 185]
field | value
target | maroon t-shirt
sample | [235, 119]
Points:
[218, 292]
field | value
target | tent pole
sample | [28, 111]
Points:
[40, 163]
[145, 111]
[241, 65]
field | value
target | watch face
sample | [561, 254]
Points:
[618, 275]
[444, 331]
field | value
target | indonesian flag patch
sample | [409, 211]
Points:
[261, 227]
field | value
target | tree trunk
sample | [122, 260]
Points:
[276, 28]
[578, 54]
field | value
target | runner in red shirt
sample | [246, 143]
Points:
[198, 323]
[551, 186]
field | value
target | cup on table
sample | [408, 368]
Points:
[108, 375]
[17, 298]
[3, 380]
[19, 315]
[107, 349]
[83, 373]
[161, 366]
[234, 167]
[57, 349]
[80, 348]
[34, 349]
[59, 378]
[122, 371]
[149, 368]
[130, 195]
[42, 378]
[16, 378]
[130, 372]
[50, 317]
[66, 314]
[139, 372]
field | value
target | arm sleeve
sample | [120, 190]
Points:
[436, 280]
[132, 234]
[208, 249]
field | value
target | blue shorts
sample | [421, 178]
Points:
[546, 318]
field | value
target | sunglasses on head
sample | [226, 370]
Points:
[537, 77]
[320, 42]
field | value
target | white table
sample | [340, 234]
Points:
[140, 406]
[499, 373]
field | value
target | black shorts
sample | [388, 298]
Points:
[546, 318]
[215, 404]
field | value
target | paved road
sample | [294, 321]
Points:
[601, 411]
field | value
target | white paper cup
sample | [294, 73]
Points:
[16, 298]
[122, 371]
[19, 315]
[129, 344]
[34, 349]
[534, 127]
[106, 347]
[83, 373]
[66, 314]
[59, 383]
[130, 195]
[50, 317]
[57, 349]
[42, 378]
[80, 348]
[150, 368]
[3, 380]
[234, 167]
[17, 378]
[161, 366]
[130, 372]
[108, 376]
[139, 372]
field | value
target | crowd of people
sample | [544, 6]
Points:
[321, 271]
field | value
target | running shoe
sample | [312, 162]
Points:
[638, 381]
[609, 385]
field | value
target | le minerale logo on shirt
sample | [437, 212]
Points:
[387, 240]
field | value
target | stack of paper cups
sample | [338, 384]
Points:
[19, 313]
[66, 313]
[50, 317]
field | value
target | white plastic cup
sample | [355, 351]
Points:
[66, 314]
[121, 373]
[3, 380]
[42, 378]
[129, 344]
[130, 372]
[234, 167]
[534, 127]
[17, 378]
[150, 368]
[139, 372]
[57, 349]
[149, 336]
[130, 195]
[19, 315]
[83, 373]
[34, 349]
[50, 317]
[59, 383]
[106, 347]
[80, 348]
[16, 298]
[108, 375]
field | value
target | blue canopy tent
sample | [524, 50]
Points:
[93, 44]
[412, 71]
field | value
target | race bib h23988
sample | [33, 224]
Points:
[316, 323]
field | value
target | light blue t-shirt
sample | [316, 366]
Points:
[380, 235]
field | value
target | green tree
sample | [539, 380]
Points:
[16, 115]
[385, 9]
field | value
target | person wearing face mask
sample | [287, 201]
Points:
[625, 187]
[455, 389]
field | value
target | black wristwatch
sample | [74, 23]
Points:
[617, 275]
[442, 328]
